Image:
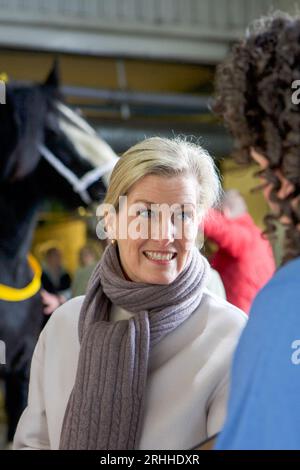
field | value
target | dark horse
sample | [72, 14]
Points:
[46, 151]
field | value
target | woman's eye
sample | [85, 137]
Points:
[147, 213]
[184, 216]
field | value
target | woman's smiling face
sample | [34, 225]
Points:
[162, 223]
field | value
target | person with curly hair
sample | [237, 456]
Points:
[255, 99]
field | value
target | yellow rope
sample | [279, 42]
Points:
[12, 294]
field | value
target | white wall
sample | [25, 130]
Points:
[189, 30]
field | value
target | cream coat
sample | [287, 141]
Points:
[187, 382]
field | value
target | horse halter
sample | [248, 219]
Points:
[13, 294]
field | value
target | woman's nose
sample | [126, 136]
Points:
[166, 230]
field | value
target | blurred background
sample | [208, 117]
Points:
[132, 69]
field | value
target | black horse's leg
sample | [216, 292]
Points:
[16, 391]
[27, 318]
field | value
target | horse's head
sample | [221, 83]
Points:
[41, 136]
[46, 151]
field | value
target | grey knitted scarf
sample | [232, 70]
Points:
[105, 408]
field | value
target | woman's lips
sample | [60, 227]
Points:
[160, 261]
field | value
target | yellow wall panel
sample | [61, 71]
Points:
[69, 236]
[237, 177]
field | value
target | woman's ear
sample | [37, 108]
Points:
[110, 224]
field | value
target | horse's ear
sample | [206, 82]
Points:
[53, 78]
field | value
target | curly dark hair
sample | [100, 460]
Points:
[254, 98]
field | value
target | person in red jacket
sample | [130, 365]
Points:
[244, 258]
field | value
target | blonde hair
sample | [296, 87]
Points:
[165, 157]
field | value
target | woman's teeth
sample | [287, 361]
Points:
[159, 256]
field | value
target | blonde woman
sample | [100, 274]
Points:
[142, 361]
